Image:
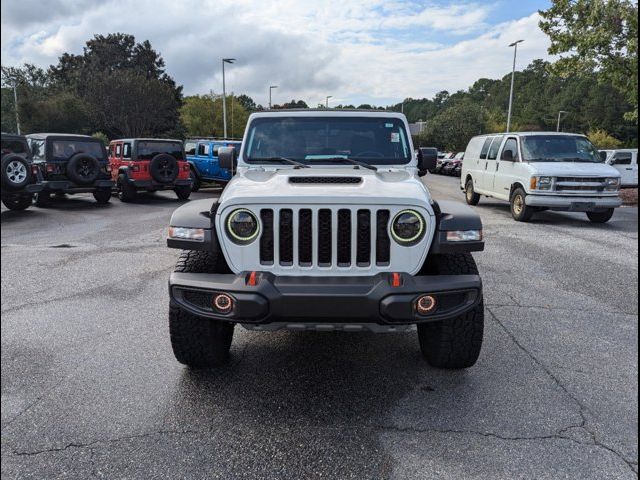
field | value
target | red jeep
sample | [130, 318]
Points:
[149, 164]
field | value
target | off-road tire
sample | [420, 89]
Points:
[83, 169]
[454, 343]
[102, 196]
[43, 199]
[164, 168]
[16, 172]
[183, 193]
[196, 184]
[17, 202]
[520, 211]
[601, 217]
[470, 194]
[199, 342]
[126, 192]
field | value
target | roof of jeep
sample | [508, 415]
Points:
[146, 140]
[43, 136]
[530, 134]
[12, 136]
[328, 112]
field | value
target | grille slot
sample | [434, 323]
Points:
[363, 255]
[266, 240]
[344, 238]
[325, 180]
[383, 242]
[286, 237]
[305, 238]
[324, 238]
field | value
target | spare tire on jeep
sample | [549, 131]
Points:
[83, 168]
[164, 168]
[15, 172]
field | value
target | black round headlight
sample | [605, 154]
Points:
[408, 227]
[242, 226]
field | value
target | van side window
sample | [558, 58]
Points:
[126, 150]
[485, 148]
[495, 146]
[203, 149]
[622, 158]
[511, 144]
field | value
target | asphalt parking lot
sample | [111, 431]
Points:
[90, 387]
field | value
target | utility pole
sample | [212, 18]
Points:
[270, 90]
[513, 74]
[15, 104]
[559, 118]
[224, 96]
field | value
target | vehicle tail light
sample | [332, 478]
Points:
[185, 167]
[34, 170]
[51, 168]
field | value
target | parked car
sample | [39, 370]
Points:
[453, 166]
[149, 164]
[326, 226]
[70, 164]
[202, 155]
[626, 162]
[19, 175]
[443, 160]
[541, 171]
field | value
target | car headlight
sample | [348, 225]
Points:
[408, 227]
[613, 184]
[242, 226]
[541, 183]
[184, 233]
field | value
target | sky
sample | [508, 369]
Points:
[358, 51]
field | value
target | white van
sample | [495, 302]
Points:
[537, 171]
[626, 162]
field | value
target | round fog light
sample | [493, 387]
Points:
[426, 304]
[223, 303]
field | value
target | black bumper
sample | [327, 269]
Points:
[325, 299]
[70, 187]
[153, 185]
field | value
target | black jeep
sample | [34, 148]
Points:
[19, 175]
[71, 164]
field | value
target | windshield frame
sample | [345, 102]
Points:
[525, 153]
[399, 126]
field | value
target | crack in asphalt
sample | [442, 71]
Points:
[581, 407]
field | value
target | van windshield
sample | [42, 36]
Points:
[318, 140]
[559, 148]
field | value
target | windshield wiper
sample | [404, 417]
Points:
[357, 163]
[281, 160]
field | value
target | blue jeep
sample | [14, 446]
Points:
[202, 155]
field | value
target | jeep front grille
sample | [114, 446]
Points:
[325, 237]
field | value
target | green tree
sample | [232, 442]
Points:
[454, 126]
[202, 116]
[601, 139]
[596, 35]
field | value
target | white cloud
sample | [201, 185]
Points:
[371, 50]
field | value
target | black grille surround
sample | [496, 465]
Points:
[325, 180]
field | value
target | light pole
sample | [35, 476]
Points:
[559, 118]
[513, 74]
[327, 100]
[15, 104]
[270, 90]
[224, 95]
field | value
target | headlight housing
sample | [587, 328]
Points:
[242, 226]
[541, 183]
[408, 227]
[613, 184]
[184, 233]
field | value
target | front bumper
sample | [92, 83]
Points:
[70, 187]
[153, 185]
[325, 299]
[573, 203]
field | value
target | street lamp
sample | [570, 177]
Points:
[224, 95]
[327, 100]
[270, 90]
[559, 118]
[513, 74]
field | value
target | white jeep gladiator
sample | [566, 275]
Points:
[326, 226]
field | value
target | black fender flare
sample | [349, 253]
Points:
[196, 214]
[453, 216]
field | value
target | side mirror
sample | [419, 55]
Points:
[603, 156]
[227, 158]
[507, 156]
[427, 160]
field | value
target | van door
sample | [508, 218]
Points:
[626, 163]
[506, 170]
[491, 165]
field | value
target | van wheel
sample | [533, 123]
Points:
[601, 217]
[470, 194]
[519, 209]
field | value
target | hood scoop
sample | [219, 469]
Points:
[326, 180]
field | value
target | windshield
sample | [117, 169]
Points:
[372, 140]
[559, 148]
[148, 150]
[65, 149]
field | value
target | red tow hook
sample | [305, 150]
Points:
[396, 280]
[252, 279]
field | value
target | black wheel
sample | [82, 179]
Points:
[126, 192]
[83, 168]
[15, 172]
[601, 217]
[17, 202]
[454, 343]
[43, 199]
[519, 209]
[183, 193]
[164, 168]
[199, 342]
[470, 194]
[195, 185]
[102, 196]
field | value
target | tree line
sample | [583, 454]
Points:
[119, 88]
